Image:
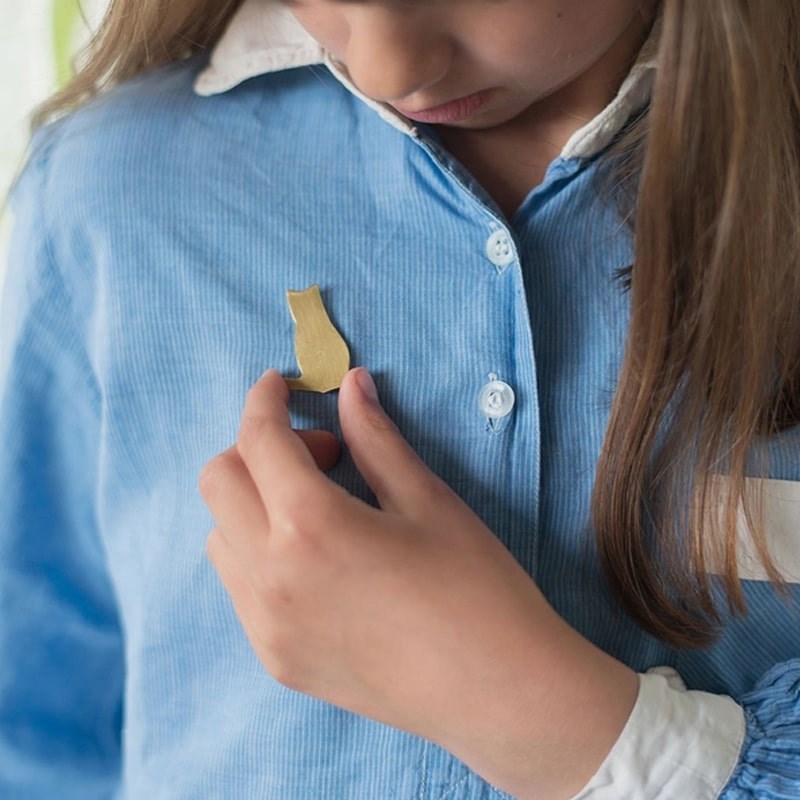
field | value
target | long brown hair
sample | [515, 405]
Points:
[136, 35]
[712, 360]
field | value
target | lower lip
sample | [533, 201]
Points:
[454, 111]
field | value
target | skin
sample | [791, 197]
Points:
[550, 65]
[367, 608]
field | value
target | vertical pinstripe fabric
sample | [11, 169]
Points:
[157, 235]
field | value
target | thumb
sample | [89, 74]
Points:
[396, 474]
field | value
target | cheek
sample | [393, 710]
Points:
[527, 41]
[532, 58]
[590, 27]
[559, 42]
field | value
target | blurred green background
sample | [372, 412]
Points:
[67, 22]
[38, 41]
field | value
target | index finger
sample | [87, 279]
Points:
[276, 457]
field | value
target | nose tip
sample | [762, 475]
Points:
[395, 65]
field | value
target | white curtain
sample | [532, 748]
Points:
[26, 73]
[27, 76]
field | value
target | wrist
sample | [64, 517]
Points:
[545, 723]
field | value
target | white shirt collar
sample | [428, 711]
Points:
[263, 36]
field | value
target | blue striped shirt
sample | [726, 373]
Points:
[156, 235]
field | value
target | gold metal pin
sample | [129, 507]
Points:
[322, 353]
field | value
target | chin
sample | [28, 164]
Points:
[484, 121]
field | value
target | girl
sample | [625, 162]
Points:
[559, 557]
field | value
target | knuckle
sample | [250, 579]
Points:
[289, 518]
[215, 475]
[251, 430]
[299, 515]
[293, 539]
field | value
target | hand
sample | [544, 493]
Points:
[413, 614]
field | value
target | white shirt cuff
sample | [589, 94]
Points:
[676, 744]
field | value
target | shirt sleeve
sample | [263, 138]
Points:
[690, 744]
[61, 664]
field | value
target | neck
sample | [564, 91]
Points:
[509, 160]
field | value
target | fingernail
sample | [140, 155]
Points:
[367, 385]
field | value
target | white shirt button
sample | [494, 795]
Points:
[499, 249]
[496, 399]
